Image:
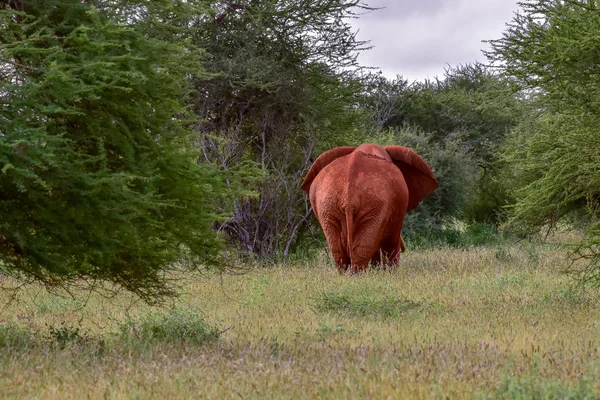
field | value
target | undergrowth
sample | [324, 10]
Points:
[180, 325]
[534, 387]
[362, 306]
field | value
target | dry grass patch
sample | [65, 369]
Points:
[486, 322]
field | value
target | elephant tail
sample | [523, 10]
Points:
[350, 233]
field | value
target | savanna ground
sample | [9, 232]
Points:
[483, 322]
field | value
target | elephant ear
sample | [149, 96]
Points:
[322, 161]
[418, 176]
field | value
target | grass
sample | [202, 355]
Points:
[364, 306]
[178, 326]
[534, 387]
[479, 323]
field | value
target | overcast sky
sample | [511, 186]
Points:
[418, 38]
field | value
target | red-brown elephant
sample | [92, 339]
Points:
[360, 195]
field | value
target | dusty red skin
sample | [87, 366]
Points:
[360, 196]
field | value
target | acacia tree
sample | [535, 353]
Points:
[472, 105]
[385, 100]
[283, 90]
[98, 179]
[551, 52]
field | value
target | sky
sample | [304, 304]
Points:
[419, 38]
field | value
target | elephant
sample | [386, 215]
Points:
[360, 196]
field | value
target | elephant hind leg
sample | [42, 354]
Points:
[364, 250]
[341, 258]
[337, 247]
[391, 251]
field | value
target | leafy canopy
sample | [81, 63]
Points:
[551, 52]
[281, 93]
[471, 104]
[98, 180]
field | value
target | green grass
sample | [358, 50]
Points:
[478, 323]
[534, 387]
[12, 337]
[178, 326]
[458, 236]
[362, 306]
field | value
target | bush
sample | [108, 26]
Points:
[12, 337]
[472, 234]
[173, 327]
[534, 388]
[360, 306]
[488, 203]
[66, 335]
[99, 180]
[549, 51]
[454, 169]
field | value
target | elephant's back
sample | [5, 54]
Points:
[360, 180]
[375, 180]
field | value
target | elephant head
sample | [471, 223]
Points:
[360, 195]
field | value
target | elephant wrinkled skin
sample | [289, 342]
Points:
[360, 196]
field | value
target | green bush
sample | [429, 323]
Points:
[98, 177]
[454, 169]
[536, 388]
[473, 234]
[360, 306]
[12, 337]
[549, 52]
[173, 327]
[489, 201]
[66, 335]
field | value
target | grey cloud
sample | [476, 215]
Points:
[419, 40]
[404, 8]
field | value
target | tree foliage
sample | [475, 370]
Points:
[470, 99]
[471, 103]
[455, 170]
[551, 51]
[282, 91]
[98, 179]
